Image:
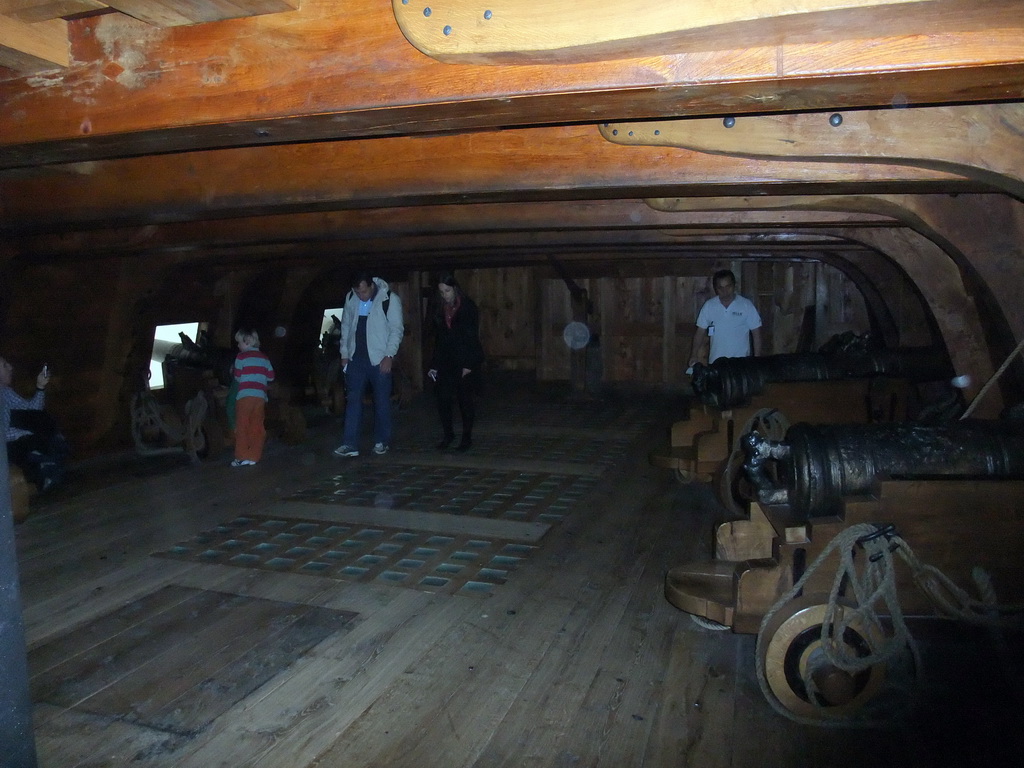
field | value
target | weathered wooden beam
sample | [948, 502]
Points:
[344, 229]
[526, 247]
[31, 48]
[571, 162]
[227, 85]
[530, 31]
[980, 141]
[30, 11]
[168, 13]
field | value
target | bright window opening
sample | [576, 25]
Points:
[328, 324]
[166, 337]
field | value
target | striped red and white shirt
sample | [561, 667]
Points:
[254, 373]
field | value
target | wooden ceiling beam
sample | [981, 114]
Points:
[348, 232]
[337, 231]
[30, 11]
[571, 162]
[531, 31]
[227, 85]
[979, 141]
[392, 257]
[34, 34]
[32, 48]
[169, 13]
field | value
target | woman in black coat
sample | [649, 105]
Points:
[458, 358]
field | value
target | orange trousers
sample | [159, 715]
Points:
[250, 434]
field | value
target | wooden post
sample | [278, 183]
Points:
[17, 744]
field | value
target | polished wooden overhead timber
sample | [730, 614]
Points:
[31, 11]
[530, 31]
[360, 230]
[535, 163]
[34, 47]
[227, 86]
[980, 141]
[34, 33]
[168, 13]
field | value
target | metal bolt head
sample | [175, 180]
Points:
[835, 120]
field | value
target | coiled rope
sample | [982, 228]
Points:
[872, 588]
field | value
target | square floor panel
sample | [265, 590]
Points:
[177, 658]
[492, 493]
[416, 559]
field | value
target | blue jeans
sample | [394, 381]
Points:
[359, 374]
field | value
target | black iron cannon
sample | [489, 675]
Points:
[732, 381]
[199, 355]
[815, 466]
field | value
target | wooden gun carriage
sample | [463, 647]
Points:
[957, 514]
[189, 413]
[845, 384]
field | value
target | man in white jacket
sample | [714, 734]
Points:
[372, 328]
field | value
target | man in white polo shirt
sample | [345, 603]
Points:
[729, 321]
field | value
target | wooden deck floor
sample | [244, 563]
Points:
[502, 607]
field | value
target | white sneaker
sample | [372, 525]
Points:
[346, 450]
[380, 449]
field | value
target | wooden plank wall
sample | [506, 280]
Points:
[646, 323]
[632, 328]
[509, 301]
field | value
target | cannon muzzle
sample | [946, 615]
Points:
[815, 466]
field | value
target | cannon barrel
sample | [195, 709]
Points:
[190, 355]
[817, 465]
[195, 357]
[731, 381]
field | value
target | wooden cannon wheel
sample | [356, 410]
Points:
[790, 650]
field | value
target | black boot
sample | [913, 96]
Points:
[465, 443]
[446, 441]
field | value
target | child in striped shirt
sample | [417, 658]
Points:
[253, 372]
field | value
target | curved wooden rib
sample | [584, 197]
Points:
[982, 142]
[507, 31]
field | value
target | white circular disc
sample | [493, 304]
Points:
[576, 335]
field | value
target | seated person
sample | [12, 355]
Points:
[33, 442]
